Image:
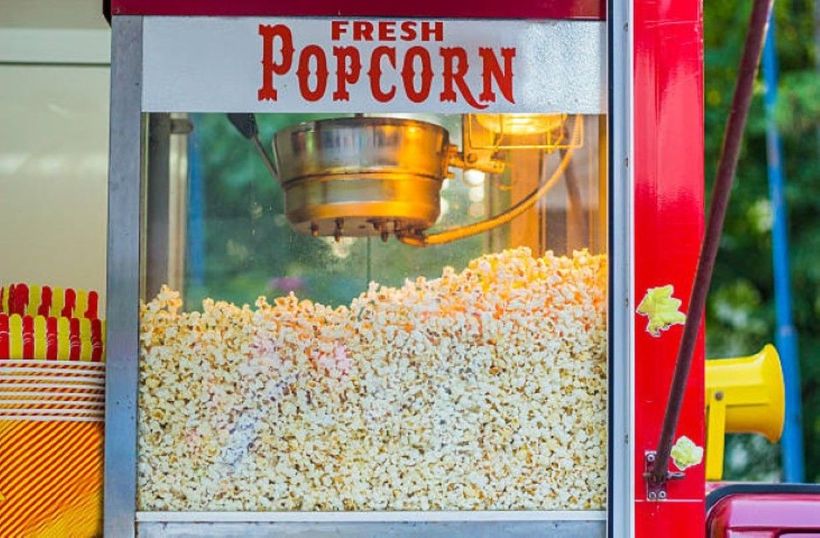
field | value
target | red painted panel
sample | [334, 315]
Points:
[669, 519]
[668, 201]
[490, 9]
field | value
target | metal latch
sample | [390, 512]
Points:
[656, 491]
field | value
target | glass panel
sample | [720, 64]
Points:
[314, 354]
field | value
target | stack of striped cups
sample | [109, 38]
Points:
[52, 405]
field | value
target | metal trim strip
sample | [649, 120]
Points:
[360, 517]
[122, 371]
[621, 255]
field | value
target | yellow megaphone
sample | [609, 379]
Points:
[743, 395]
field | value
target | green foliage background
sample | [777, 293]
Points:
[741, 307]
[251, 250]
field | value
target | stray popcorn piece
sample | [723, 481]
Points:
[685, 453]
[662, 309]
[483, 389]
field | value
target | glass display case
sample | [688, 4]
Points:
[376, 313]
[376, 275]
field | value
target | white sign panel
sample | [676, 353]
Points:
[372, 65]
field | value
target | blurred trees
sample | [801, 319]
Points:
[741, 307]
[251, 250]
[244, 222]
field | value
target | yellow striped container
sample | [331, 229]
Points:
[51, 441]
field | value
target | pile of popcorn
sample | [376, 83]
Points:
[483, 389]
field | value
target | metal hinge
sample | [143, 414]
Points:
[656, 491]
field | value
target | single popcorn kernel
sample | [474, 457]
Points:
[685, 453]
[483, 389]
[662, 309]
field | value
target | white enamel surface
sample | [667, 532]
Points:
[214, 65]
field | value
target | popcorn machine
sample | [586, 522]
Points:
[382, 270]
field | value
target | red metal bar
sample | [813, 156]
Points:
[489, 9]
[668, 219]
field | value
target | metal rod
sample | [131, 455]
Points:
[369, 270]
[158, 239]
[714, 226]
[791, 444]
[577, 234]
[195, 252]
[269, 163]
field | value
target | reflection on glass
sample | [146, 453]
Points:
[377, 375]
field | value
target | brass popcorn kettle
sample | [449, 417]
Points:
[362, 176]
[365, 176]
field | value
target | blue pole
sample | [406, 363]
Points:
[791, 443]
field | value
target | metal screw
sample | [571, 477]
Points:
[662, 495]
[719, 395]
[651, 496]
[650, 458]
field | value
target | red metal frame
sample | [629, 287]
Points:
[487, 9]
[668, 220]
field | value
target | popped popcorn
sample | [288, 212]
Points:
[685, 453]
[662, 309]
[483, 389]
